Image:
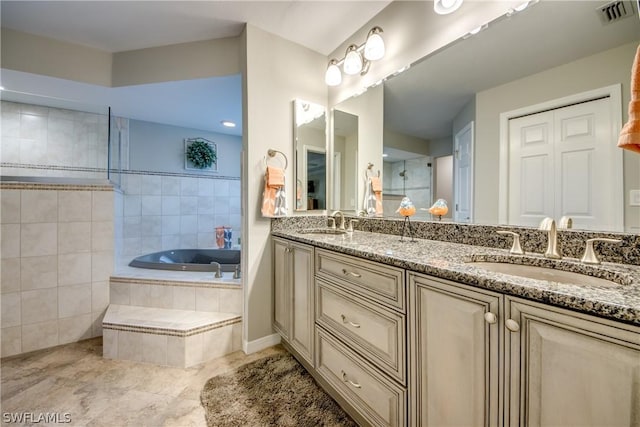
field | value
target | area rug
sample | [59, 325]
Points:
[273, 391]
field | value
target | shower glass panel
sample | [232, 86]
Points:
[408, 178]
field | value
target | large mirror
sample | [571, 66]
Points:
[447, 117]
[310, 147]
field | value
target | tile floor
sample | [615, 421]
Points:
[76, 380]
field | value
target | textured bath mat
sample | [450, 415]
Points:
[273, 391]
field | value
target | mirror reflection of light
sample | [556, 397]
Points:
[444, 7]
[306, 112]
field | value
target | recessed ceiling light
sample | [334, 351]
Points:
[228, 124]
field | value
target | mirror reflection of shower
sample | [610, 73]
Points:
[407, 175]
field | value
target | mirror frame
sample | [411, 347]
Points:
[300, 156]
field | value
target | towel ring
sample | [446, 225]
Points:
[272, 154]
[369, 172]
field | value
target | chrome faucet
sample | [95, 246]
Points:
[549, 225]
[340, 224]
[217, 268]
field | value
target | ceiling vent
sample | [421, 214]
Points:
[615, 11]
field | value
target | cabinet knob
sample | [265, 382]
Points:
[490, 317]
[512, 325]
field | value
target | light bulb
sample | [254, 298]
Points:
[333, 76]
[352, 60]
[374, 48]
[443, 7]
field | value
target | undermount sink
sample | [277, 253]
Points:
[545, 273]
[323, 231]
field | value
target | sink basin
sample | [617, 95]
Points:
[545, 273]
[323, 231]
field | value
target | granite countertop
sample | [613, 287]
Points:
[452, 261]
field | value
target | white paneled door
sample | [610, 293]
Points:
[463, 175]
[564, 162]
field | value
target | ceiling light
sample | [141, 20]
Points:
[444, 7]
[357, 58]
[521, 7]
[374, 46]
[228, 123]
[352, 60]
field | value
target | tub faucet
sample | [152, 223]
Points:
[218, 269]
[549, 225]
[340, 224]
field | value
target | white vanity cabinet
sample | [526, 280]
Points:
[455, 354]
[361, 335]
[294, 295]
[400, 348]
[569, 369]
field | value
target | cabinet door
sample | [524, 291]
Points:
[282, 295]
[455, 350]
[301, 333]
[570, 369]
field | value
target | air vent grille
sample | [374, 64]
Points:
[614, 11]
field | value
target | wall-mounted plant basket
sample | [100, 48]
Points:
[200, 154]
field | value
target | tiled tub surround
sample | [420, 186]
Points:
[53, 142]
[450, 261]
[169, 211]
[57, 256]
[170, 322]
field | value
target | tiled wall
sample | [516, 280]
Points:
[416, 184]
[57, 257]
[53, 142]
[164, 212]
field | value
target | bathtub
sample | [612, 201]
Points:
[189, 260]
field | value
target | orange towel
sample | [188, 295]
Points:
[376, 188]
[275, 177]
[630, 134]
[274, 201]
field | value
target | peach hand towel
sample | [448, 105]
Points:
[274, 200]
[376, 188]
[630, 134]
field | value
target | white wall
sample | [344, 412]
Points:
[275, 72]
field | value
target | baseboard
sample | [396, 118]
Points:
[260, 344]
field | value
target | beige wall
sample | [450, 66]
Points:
[600, 70]
[41, 55]
[405, 142]
[275, 72]
[185, 61]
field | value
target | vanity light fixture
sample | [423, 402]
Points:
[357, 58]
[445, 7]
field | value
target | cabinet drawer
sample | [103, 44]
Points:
[380, 282]
[375, 332]
[377, 399]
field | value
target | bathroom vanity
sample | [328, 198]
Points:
[419, 333]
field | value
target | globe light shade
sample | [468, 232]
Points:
[333, 76]
[374, 48]
[352, 60]
[444, 7]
